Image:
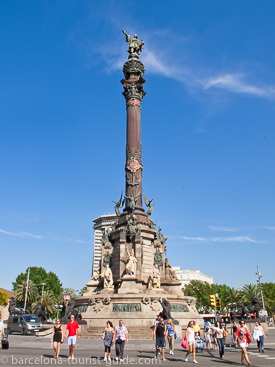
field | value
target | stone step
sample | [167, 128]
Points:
[134, 333]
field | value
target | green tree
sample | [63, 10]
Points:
[20, 291]
[223, 292]
[82, 291]
[71, 292]
[3, 298]
[249, 291]
[201, 291]
[39, 275]
[269, 297]
[48, 302]
[234, 295]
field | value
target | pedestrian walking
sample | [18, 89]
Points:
[157, 320]
[233, 331]
[120, 337]
[259, 336]
[207, 336]
[243, 338]
[57, 338]
[72, 332]
[207, 324]
[223, 326]
[219, 331]
[190, 336]
[108, 336]
[171, 335]
[160, 335]
[196, 327]
[2, 328]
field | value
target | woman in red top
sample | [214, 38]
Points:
[243, 338]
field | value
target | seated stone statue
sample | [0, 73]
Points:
[107, 276]
[156, 278]
[169, 273]
[96, 276]
[131, 266]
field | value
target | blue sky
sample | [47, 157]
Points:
[208, 132]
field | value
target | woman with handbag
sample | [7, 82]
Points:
[243, 338]
[220, 335]
[190, 337]
[107, 337]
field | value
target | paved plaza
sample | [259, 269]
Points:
[31, 350]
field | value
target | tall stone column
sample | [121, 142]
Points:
[133, 83]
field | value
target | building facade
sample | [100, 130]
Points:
[185, 276]
[102, 223]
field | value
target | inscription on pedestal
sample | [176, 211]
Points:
[179, 308]
[81, 308]
[126, 307]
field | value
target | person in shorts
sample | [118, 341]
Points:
[190, 337]
[72, 332]
[160, 335]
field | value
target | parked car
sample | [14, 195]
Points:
[24, 324]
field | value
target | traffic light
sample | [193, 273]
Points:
[212, 300]
[218, 304]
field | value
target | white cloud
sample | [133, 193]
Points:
[236, 83]
[161, 60]
[82, 241]
[270, 228]
[219, 239]
[158, 63]
[221, 229]
[21, 234]
[70, 239]
[234, 239]
[26, 234]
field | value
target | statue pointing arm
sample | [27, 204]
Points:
[128, 37]
[135, 46]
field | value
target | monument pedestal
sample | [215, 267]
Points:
[136, 309]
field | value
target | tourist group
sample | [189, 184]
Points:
[214, 337]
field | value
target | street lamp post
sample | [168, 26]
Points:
[261, 288]
[58, 309]
[43, 285]
[27, 288]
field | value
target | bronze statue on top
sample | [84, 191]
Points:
[149, 204]
[119, 204]
[135, 47]
[133, 200]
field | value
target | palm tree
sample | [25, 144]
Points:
[234, 295]
[20, 292]
[48, 301]
[249, 291]
[71, 292]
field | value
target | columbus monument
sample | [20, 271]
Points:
[135, 281]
